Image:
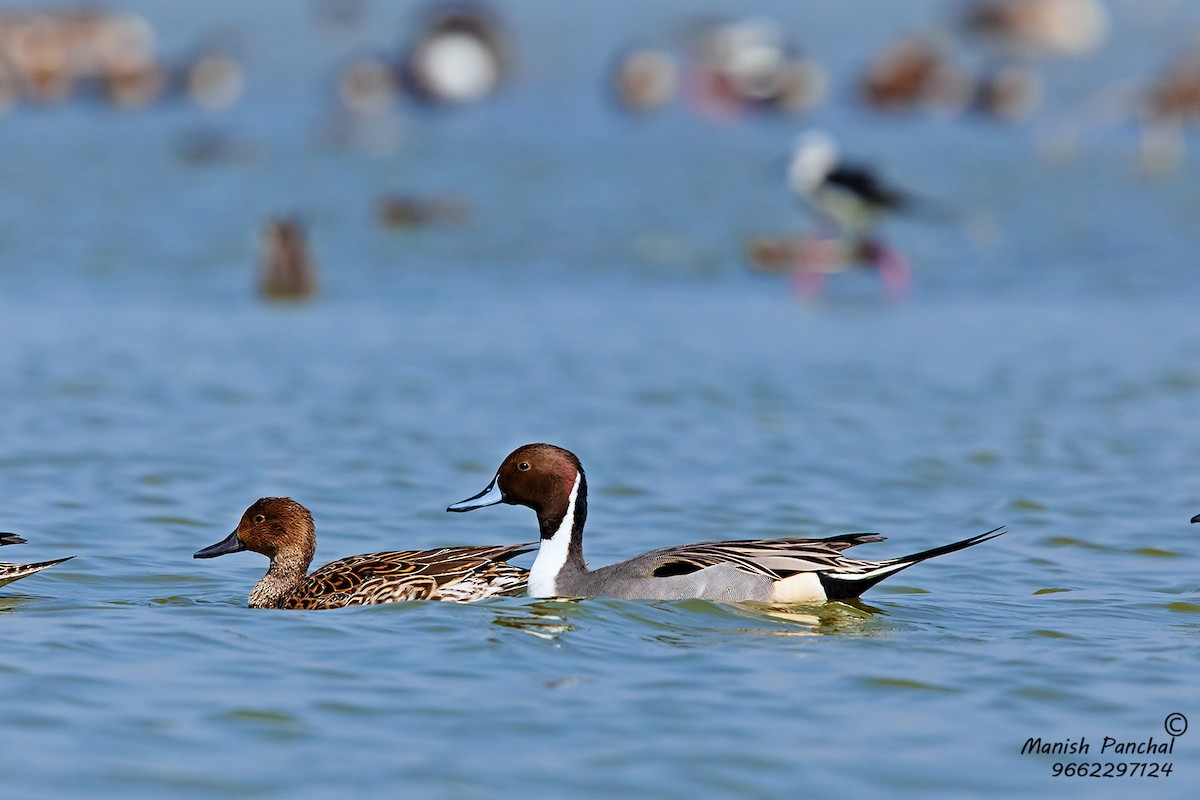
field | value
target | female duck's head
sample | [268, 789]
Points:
[271, 526]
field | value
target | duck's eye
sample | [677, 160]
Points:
[259, 518]
[523, 466]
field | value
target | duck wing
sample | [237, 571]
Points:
[773, 558]
[778, 559]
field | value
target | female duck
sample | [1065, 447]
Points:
[12, 572]
[550, 480]
[282, 529]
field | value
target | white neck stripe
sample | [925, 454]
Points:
[552, 553]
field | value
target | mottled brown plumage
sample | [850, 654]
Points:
[12, 572]
[283, 530]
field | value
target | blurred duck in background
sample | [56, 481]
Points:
[919, 74]
[411, 211]
[1160, 107]
[82, 53]
[49, 57]
[48, 53]
[131, 75]
[288, 271]
[915, 73]
[460, 56]
[1039, 27]
[367, 112]
[1164, 108]
[213, 78]
[644, 80]
[735, 67]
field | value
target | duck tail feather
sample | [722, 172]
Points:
[847, 585]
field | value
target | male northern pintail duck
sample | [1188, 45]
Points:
[550, 480]
[12, 572]
[283, 530]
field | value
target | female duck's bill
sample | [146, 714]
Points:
[283, 530]
[230, 544]
[13, 572]
[551, 481]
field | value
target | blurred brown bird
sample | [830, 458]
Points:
[289, 272]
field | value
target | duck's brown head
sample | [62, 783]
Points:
[271, 526]
[538, 476]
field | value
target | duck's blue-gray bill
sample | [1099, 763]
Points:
[488, 497]
[230, 544]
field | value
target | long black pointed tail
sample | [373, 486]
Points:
[850, 584]
[12, 572]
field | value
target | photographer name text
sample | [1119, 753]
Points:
[1108, 746]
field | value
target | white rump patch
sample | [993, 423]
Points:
[803, 587]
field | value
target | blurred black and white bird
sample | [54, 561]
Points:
[852, 200]
[850, 197]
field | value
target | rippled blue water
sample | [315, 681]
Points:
[1045, 377]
